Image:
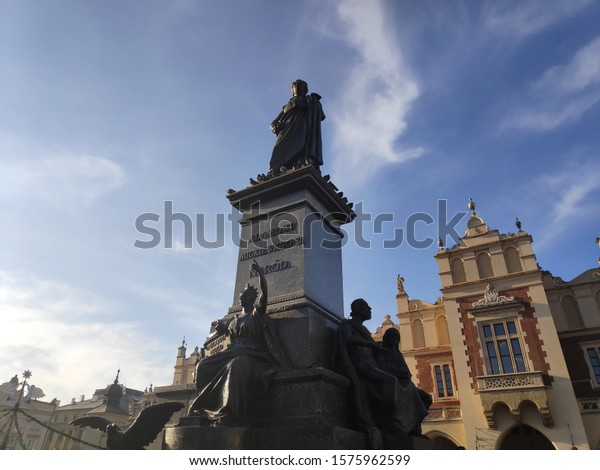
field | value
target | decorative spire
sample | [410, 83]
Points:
[471, 206]
[518, 224]
[183, 343]
[117, 377]
[440, 243]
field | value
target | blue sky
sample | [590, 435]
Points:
[108, 109]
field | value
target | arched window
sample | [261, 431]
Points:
[513, 262]
[458, 270]
[484, 266]
[571, 311]
[441, 326]
[418, 335]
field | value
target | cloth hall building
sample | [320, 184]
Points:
[509, 352]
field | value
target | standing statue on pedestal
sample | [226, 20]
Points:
[298, 131]
[386, 401]
[231, 383]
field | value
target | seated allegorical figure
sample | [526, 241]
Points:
[386, 401]
[231, 383]
[414, 401]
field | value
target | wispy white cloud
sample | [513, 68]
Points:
[71, 339]
[583, 71]
[562, 94]
[566, 196]
[61, 178]
[516, 20]
[544, 116]
[377, 96]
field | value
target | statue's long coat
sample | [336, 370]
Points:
[299, 132]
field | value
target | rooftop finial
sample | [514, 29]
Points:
[183, 342]
[117, 377]
[518, 224]
[471, 206]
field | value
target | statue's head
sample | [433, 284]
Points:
[391, 338]
[248, 296]
[299, 88]
[360, 309]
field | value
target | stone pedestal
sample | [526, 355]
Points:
[307, 437]
[304, 409]
[324, 437]
[291, 226]
[306, 397]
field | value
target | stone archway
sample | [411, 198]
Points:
[525, 437]
[443, 441]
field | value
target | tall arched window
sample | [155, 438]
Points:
[441, 326]
[484, 266]
[513, 262]
[458, 270]
[571, 310]
[418, 335]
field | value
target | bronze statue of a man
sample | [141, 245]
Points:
[386, 401]
[298, 131]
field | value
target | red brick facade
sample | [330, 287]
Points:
[529, 327]
[532, 334]
[471, 338]
[424, 377]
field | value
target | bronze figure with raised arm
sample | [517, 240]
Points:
[230, 384]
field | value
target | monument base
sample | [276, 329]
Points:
[306, 397]
[314, 437]
[304, 409]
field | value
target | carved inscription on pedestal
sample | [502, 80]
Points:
[264, 244]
